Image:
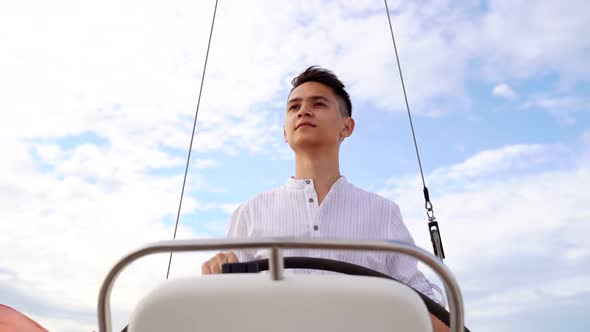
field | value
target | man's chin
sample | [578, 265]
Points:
[303, 144]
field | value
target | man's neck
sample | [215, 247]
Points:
[320, 166]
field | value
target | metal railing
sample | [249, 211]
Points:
[276, 244]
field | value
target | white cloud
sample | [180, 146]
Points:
[513, 301]
[564, 107]
[67, 81]
[66, 230]
[508, 158]
[504, 232]
[504, 90]
[577, 254]
[566, 104]
[487, 166]
[518, 40]
[205, 163]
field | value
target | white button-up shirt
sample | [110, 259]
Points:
[347, 212]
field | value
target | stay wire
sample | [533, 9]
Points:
[432, 223]
[405, 94]
[193, 133]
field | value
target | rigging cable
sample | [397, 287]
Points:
[432, 223]
[193, 134]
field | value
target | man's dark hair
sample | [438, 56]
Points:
[326, 77]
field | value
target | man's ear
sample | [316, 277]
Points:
[348, 127]
[284, 134]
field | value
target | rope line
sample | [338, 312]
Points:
[193, 134]
[405, 94]
[432, 223]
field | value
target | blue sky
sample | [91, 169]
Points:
[97, 106]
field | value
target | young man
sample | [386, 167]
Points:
[318, 201]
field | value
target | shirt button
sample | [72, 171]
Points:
[307, 181]
[311, 200]
[315, 228]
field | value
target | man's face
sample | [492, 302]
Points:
[313, 118]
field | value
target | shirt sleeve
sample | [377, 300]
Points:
[404, 267]
[239, 227]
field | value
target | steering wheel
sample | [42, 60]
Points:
[324, 264]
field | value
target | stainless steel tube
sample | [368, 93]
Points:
[451, 287]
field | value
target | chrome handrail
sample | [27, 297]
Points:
[451, 286]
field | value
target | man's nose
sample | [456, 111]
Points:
[304, 110]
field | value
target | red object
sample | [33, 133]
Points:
[13, 321]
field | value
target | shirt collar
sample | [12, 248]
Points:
[297, 184]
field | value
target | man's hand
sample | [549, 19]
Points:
[438, 325]
[213, 265]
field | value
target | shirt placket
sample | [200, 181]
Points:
[313, 208]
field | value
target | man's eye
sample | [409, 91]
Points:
[293, 107]
[320, 104]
